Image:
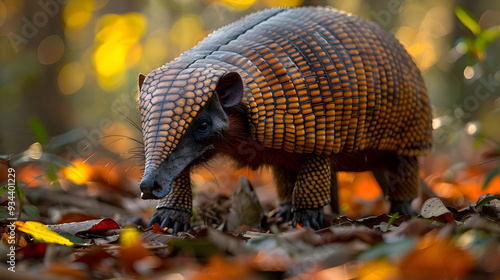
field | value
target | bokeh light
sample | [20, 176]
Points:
[50, 50]
[35, 151]
[469, 72]
[78, 13]
[80, 173]
[117, 36]
[3, 13]
[115, 138]
[238, 5]
[186, 31]
[71, 78]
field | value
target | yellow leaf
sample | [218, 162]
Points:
[42, 233]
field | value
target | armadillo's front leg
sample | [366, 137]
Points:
[175, 209]
[312, 192]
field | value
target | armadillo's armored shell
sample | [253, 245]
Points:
[322, 81]
[317, 80]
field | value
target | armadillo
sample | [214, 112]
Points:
[307, 91]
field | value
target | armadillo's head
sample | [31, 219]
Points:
[182, 116]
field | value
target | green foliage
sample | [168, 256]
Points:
[74, 239]
[486, 200]
[38, 130]
[468, 19]
[392, 219]
[4, 213]
[19, 193]
[31, 211]
[477, 45]
[484, 38]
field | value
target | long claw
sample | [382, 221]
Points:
[307, 223]
[166, 223]
[311, 218]
[294, 222]
[314, 223]
[177, 219]
[177, 226]
[154, 219]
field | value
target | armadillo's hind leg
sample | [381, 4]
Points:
[285, 182]
[399, 181]
[175, 209]
[312, 192]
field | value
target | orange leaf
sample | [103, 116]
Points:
[436, 259]
[157, 228]
[221, 268]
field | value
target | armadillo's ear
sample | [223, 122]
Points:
[230, 89]
[141, 80]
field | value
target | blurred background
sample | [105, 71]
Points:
[70, 68]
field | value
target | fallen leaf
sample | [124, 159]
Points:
[157, 228]
[384, 218]
[42, 233]
[488, 206]
[346, 234]
[32, 250]
[93, 255]
[414, 227]
[245, 207]
[434, 208]
[436, 259]
[88, 227]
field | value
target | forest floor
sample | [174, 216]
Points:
[89, 222]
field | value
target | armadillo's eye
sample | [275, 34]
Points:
[203, 130]
[203, 126]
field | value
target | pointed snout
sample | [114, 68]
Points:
[154, 185]
[147, 188]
